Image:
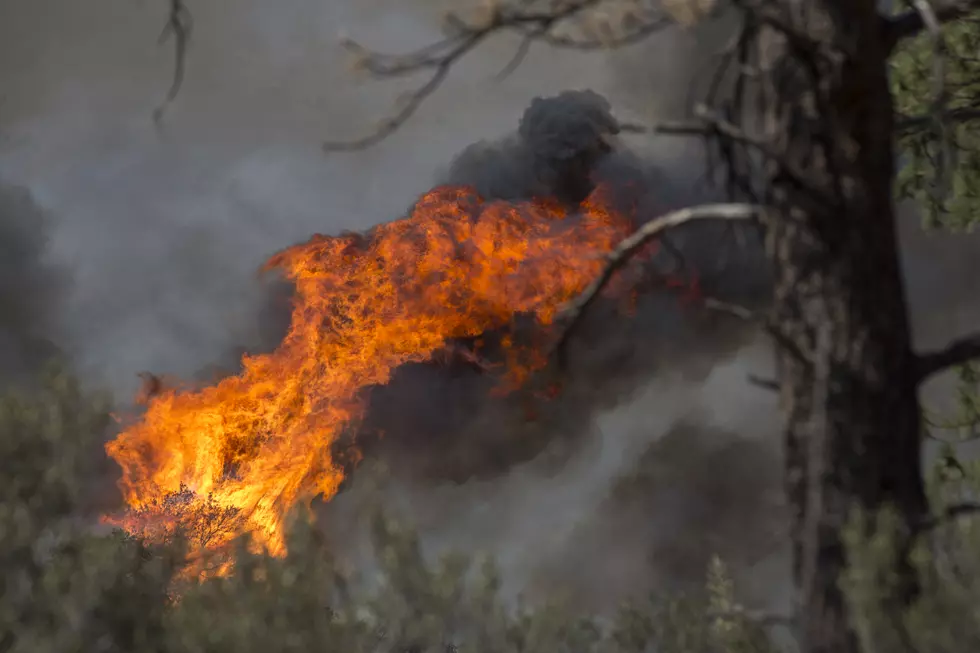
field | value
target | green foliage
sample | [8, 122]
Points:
[303, 602]
[68, 588]
[913, 80]
[947, 616]
[946, 554]
[65, 588]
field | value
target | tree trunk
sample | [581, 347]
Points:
[840, 318]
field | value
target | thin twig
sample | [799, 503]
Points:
[440, 57]
[771, 385]
[179, 24]
[632, 37]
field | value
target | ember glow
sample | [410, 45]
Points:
[252, 447]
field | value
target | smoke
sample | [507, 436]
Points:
[559, 143]
[162, 231]
[29, 287]
[658, 453]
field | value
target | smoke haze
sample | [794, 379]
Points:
[161, 233]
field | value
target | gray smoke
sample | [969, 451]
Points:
[560, 141]
[162, 232]
[648, 461]
[30, 288]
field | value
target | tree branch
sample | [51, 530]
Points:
[179, 25]
[912, 22]
[771, 385]
[960, 351]
[907, 124]
[440, 57]
[616, 259]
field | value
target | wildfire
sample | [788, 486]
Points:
[244, 452]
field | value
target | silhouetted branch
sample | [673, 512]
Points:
[913, 21]
[575, 310]
[962, 350]
[440, 57]
[179, 24]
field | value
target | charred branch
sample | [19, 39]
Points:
[179, 26]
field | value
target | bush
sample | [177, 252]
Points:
[64, 587]
[68, 588]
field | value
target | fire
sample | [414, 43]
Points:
[245, 451]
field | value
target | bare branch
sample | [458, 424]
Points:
[960, 351]
[179, 24]
[575, 310]
[440, 57]
[912, 22]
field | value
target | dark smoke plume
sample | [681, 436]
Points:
[441, 419]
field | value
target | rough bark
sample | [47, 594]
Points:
[847, 370]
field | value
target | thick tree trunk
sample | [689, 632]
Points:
[840, 315]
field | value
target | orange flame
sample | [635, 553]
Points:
[259, 443]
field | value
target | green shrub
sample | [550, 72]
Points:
[67, 588]
[64, 587]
